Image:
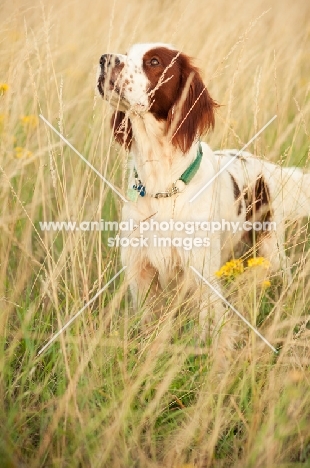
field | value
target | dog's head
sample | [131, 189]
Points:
[158, 79]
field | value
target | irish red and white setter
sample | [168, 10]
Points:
[162, 108]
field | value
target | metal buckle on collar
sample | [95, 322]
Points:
[167, 194]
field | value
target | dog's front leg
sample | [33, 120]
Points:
[143, 282]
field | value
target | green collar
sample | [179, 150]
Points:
[192, 169]
[186, 177]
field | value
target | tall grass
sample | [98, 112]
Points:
[102, 395]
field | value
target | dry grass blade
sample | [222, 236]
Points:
[105, 394]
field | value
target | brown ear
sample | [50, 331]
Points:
[122, 129]
[193, 113]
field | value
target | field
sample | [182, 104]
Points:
[103, 395]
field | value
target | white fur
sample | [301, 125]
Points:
[151, 270]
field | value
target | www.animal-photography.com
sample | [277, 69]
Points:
[154, 248]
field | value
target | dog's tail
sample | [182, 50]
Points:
[291, 194]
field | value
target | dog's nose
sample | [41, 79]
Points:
[104, 59]
[107, 59]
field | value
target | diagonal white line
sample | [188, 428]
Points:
[232, 159]
[82, 157]
[79, 312]
[235, 310]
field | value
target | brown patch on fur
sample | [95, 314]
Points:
[237, 193]
[266, 217]
[259, 198]
[182, 99]
[122, 130]
[257, 209]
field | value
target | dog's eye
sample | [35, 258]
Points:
[154, 62]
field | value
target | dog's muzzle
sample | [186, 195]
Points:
[107, 64]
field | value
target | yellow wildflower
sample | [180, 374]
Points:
[29, 121]
[231, 269]
[258, 261]
[266, 284]
[3, 88]
[21, 152]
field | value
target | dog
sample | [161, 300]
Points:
[162, 108]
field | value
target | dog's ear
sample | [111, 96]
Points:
[122, 130]
[193, 112]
